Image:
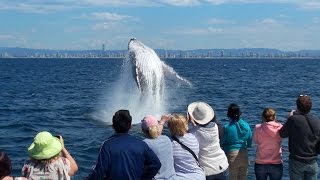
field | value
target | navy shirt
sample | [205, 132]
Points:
[123, 156]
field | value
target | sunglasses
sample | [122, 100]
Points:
[302, 95]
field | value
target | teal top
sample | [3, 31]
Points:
[237, 135]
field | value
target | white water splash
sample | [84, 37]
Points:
[150, 98]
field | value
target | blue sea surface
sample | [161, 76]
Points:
[60, 96]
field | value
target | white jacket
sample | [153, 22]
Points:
[211, 157]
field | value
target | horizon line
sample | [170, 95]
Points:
[164, 49]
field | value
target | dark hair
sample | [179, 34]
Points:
[121, 121]
[304, 104]
[5, 165]
[234, 112]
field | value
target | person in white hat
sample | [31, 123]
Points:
[211, 157]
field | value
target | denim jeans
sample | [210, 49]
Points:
[302, 171]
[273, 171]
[222, 176]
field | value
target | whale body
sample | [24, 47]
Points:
[149, 72]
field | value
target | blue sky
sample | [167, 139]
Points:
[168, 24]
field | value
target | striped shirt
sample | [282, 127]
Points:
[186, 166]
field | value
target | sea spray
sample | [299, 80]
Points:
[141, 86]
[124, 94]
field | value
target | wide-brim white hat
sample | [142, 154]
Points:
[201, 112]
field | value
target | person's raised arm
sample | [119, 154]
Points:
[66, 154]
[73, 164]
[284, 131]
[164, 120]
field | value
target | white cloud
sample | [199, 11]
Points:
[198, 31]
[6, 37]
[316, 20]
[311, 5]
[12, 40]
[116, 3]
[105, 26]
[106, 16]
[34, 30]
[181, 2]
[215, 30]
[31, 6]
[269, 21]
[219, 21]
[47, 6]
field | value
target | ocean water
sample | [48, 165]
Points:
[65, 96]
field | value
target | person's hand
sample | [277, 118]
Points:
[61, 140]
[190, 119]
[165, 119]
[293, 112]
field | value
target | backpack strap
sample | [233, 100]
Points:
[312, 130]
[185, 147]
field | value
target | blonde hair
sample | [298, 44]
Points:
[152, 132]
[47, 161]
[268, 114]
[177, 125]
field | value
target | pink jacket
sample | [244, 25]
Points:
[266, 136]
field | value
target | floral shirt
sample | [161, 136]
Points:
[57, 170]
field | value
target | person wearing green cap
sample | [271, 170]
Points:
[49, 159]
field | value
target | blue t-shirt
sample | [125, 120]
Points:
[162, 147]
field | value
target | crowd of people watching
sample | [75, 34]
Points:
[196, 148]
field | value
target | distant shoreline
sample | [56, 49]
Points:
[179, 58]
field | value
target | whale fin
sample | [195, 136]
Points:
[137, 74]
[169, 73]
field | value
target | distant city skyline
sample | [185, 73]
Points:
[287, 25]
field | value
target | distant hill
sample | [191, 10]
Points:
[200, 53]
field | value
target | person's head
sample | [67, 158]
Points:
[304, 104]
[268, 115]
[177, 125]
[5, 165]
[121, 121]
[45, 147]
[234, 112]
[201, 112]
[149, 125]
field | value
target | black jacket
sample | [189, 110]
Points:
[302, 141]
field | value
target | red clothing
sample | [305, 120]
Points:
[268, 140]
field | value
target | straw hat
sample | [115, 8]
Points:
[44, 146]
[201, 112]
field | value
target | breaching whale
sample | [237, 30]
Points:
[149, 71]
